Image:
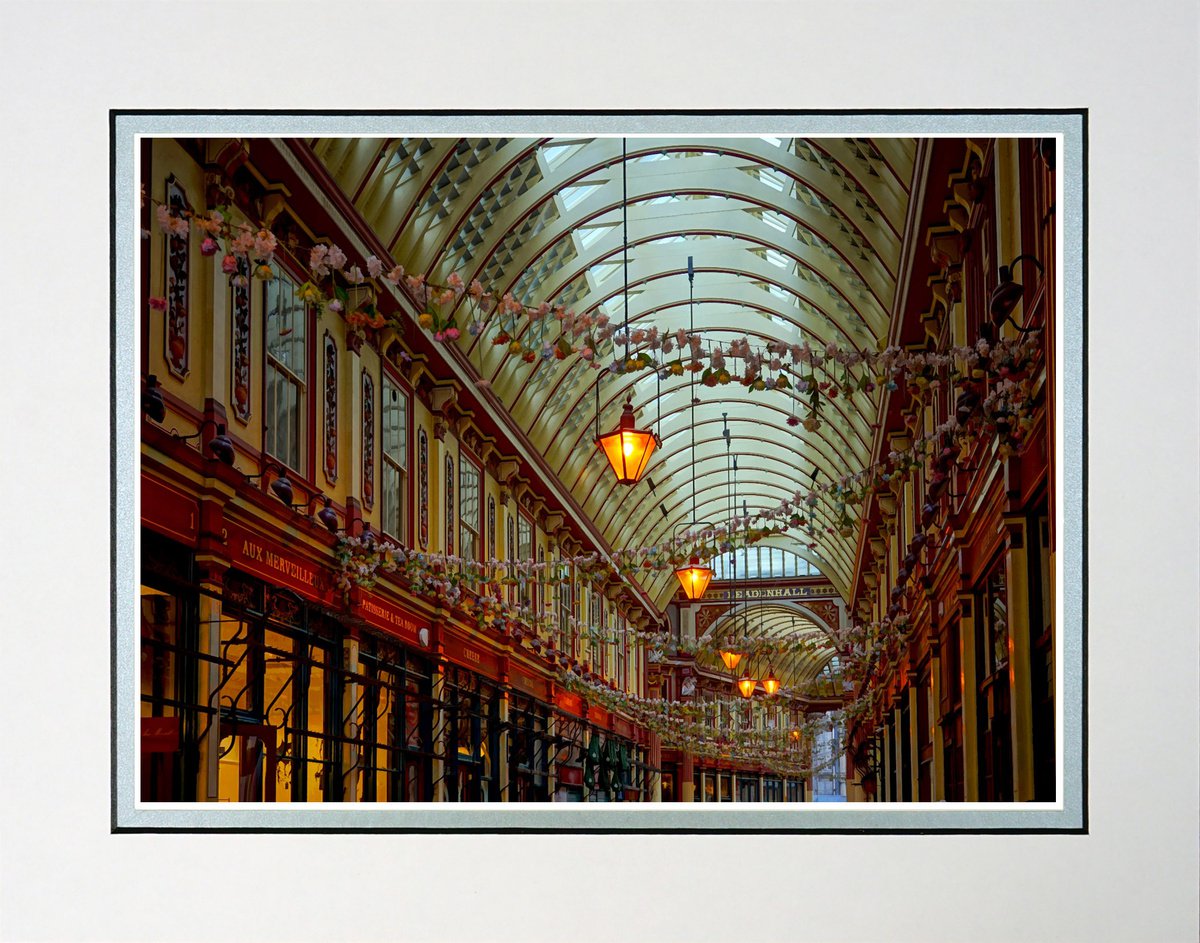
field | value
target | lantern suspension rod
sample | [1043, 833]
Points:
[729, 466]
[625, 236]
[692, 384]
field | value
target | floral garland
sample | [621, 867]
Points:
[1006, 410]
[555, 331]
[681, 724]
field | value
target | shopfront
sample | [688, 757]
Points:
[279, 696]
[470, 731]
[529, 749]
[395, 716]
[171, 718]
[571, 744]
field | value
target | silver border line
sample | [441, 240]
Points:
[1068, 816]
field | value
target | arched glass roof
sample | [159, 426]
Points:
[792, 240]
[805, 667]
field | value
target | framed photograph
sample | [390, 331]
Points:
[808, 396]
[787, 408]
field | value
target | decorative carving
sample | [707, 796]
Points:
[449, 496]
[175, 337]
[240, 320]
[423, 488]
[239, 592]
[368, 439]
[283, 607]
[706, 616]
[825, 610]
[331, 417]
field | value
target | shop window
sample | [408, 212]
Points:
[172, 721]
[395, 722]
[472, 722]
[992, 706]
[1041, 657]
[469, 509]
[528, 750]
[393, 417]
[280, 688]
[951, 714]
[747, 787]
[168, 694]
[285, 429]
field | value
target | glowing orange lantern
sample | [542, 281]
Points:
[731, 658]
[628, 448]
[746, 684]
[694, 578]
[770, 682]
[795, 734]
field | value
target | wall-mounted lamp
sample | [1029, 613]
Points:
[281, 487]
[328, 516]
[1006, 294]
[152, 400]
[220, 445]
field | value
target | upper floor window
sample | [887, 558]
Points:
[995, 614]
[525, 555]
[566, 607]
[469, 509]
[286, 322]
[393, 418]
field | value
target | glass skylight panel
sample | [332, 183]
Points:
[777, 258]
[589, 234]
[773, 179]
[603, 271]
[775, 220]
[573, 196]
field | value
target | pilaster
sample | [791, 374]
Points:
[1021, 711]
[968, 626]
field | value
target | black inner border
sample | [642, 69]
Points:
[115, 828]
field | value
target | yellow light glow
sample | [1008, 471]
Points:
[628, 448]
[731, 658]
[770, 682]
[694, 578]
[746, 684]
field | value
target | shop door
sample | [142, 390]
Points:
[248, 761]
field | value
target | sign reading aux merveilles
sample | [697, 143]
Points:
[255, 554]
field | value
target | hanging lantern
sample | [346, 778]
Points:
[746, 684]
[694, 578]
[795, 734]
[770, 682]
[730, 657]
[627, 448]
